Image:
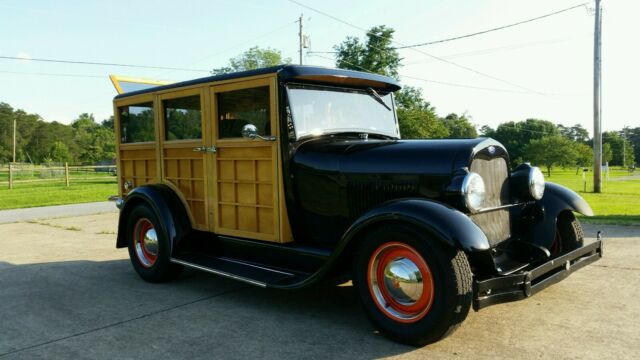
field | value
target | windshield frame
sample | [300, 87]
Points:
[345, 89]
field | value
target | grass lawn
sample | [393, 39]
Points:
[56, 193]
[619, 202]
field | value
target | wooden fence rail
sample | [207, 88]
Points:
[67, 169]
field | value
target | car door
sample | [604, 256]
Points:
[246, 187]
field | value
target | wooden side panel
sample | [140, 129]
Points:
[246, 192]
[138, 165]
[184, 169]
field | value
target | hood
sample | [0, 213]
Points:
[418, 157]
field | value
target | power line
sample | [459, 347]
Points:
[487, 51]
[492, 29]
[53, 74]
[100, 64]
[467, 68]
[464, 86]
[288, 24]
[434, 81]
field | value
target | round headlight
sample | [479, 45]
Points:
[473, 191]
[536, 183]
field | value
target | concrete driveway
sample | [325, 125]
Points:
[66, 292]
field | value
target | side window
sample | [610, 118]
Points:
[241, 107]
[183, 118]
[136, 123]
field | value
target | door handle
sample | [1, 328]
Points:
[205, 149]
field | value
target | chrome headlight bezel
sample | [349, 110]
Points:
[473, 191]
[536, 183]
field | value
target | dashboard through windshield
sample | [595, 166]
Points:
[318, 110]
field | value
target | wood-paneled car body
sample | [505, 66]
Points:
[283, 176]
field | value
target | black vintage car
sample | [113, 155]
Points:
[284, 176]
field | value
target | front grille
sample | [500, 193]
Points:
[495, 224]
[364, 195]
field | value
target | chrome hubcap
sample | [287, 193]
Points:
[403, 280]
[400, 282]
[146, 242]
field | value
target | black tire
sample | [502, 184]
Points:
[152, 263]
[568, 236]
[416, 323]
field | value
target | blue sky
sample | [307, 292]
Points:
[551, 56]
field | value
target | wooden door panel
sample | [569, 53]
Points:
[246, 191]
[184, 169]
[248, 200]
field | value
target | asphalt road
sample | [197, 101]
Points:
[29, 214]
[66, 292]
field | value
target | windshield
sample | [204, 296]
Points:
[321, 110]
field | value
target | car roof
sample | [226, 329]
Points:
[289, 73]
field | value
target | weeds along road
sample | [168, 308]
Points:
[65, 291]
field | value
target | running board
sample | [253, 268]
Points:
[233, 269]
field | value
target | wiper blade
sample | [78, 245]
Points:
[374, 94]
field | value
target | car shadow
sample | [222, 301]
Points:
[61, 308]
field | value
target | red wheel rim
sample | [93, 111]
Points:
[145, 243]
[400, 282]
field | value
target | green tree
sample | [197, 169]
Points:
[59, 152]
[584, 155]
[374, 55]
[633, 135]
[254, 58]
[6, 132]
[45, 135]
[107, 123]
[607, 154]
[487, 131]
[421, 124]
[619, 148]
[516, 135]
[574, 133]
[551, 150]
[84, 128]
[459, 127]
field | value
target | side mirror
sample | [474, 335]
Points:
[250, 131]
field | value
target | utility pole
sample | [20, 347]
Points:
[300, 37]
[624, 147]
[14, 140]
[597, 122]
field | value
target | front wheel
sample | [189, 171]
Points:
[149, 248]
[415, 290]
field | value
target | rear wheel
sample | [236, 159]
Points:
[149, 248]
[569, 235]
[413, 289]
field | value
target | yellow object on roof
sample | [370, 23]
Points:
[125, 84]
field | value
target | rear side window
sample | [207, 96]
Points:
[241, 107]
[183, 118]
[136, 123]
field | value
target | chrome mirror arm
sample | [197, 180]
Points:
[250, 131]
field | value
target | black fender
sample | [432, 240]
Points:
[174, 220]
[555, 200]
[448, 225]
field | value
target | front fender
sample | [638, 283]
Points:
[555, 200]
[447, 224]
[174, 221]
